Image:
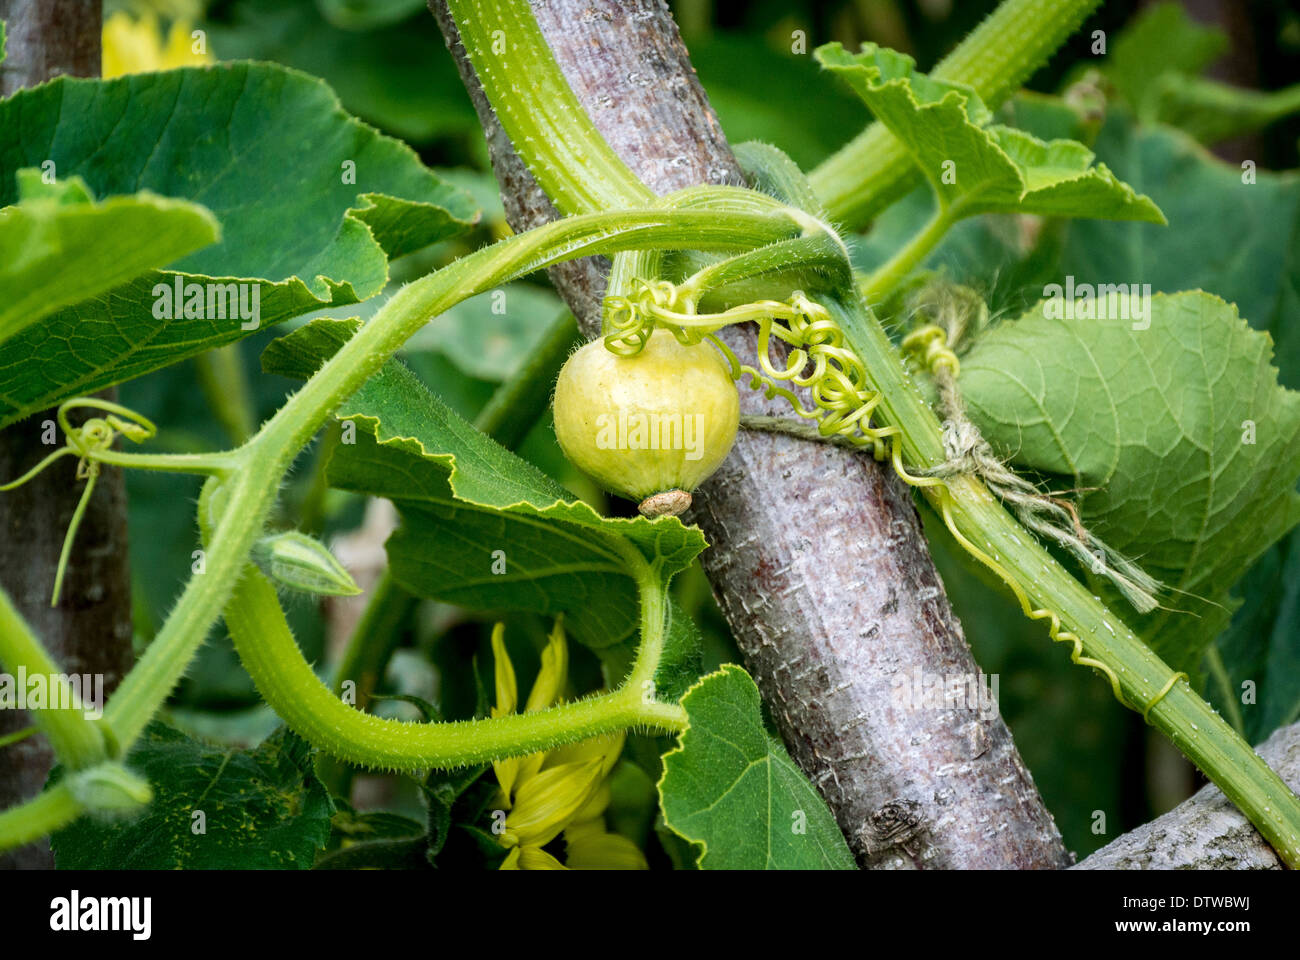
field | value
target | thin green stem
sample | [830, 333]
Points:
[890, 274]
[1219, 670]
[205, 464]
[517, 403]
[76, 739]
[873, 170]
[18, 736]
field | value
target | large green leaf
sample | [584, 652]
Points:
[481, 527]
[260, 809]
[1180, 431]
[221, 136]
[58, 247]
[731, 787]
[972, 165]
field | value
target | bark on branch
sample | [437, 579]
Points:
[817, 555]
[1207, 831]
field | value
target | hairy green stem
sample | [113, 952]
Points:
[268, 650]
[890, 274]
[873, 169]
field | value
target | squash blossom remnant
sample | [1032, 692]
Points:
[137, 46]
[563, 790]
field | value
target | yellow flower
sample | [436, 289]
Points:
[137, 46]
[564, 790]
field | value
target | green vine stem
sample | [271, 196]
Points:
[42, 815]
[890, 274]
[873, 169]
[285, 679]
[535, 104]
[506, 418]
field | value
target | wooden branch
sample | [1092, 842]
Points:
[817, 556]
[90, 630]
[1206, 831]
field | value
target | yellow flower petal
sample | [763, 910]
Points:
[606, 748]
[511, 862]
[130, 46]
[507, 688]
[535, 858]
[596, 806]
[507, 771]
[598, 850]
[548, 688]
[136, 46]
[546, 804]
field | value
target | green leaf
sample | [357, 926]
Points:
[470, 507]
[1253, 260]
[262, 809]
[58, 247]
[975, 167]
[1181, 432]
[221, 136]
[731, 787]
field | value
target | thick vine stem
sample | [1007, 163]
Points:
[817, 556]
[873, 169]
[268, 651]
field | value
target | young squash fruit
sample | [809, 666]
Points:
[650, 427]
